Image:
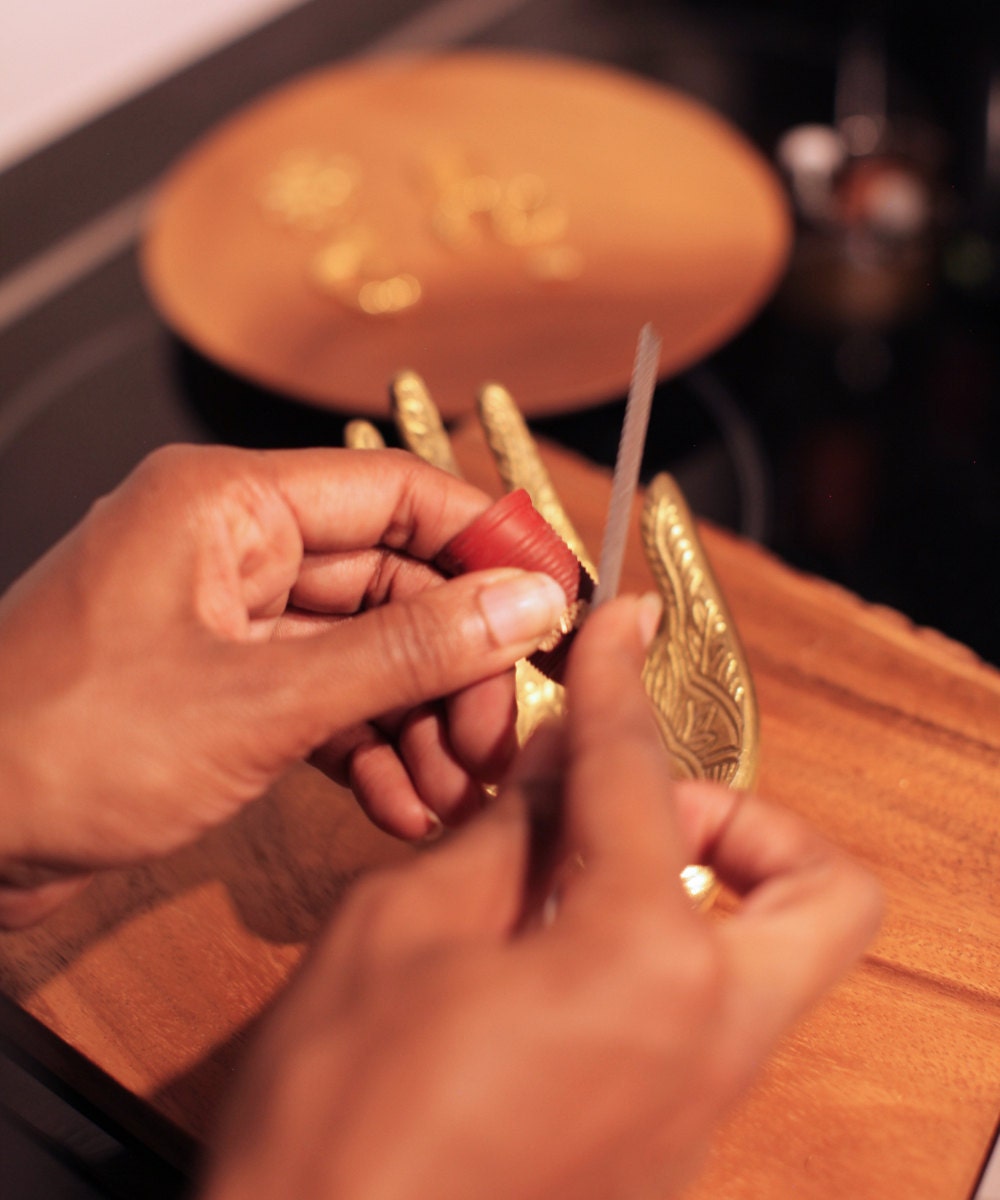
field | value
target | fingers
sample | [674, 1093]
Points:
[237, 523]
[537, 778]
[469, 886]
[482, 726]
[343, 499]
[415, 771]
[367, 761]
[400, 655]
[441, 781]
[346, 582]
[386, 791]
[618, 812]
[808, 908]
[413, 784]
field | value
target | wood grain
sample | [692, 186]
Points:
[885, 736]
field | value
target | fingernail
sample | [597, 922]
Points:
[522, 609]
[435, 828]
[648, 611]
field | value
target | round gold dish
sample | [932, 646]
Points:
[470, 216]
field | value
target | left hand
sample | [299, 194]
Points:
[225, 613]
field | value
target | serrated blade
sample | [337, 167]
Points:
[627, 464]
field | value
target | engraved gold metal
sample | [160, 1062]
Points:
[696, 671]
[520, 465]
[419, 422]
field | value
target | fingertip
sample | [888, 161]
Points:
[621, 629]
[435, 828]
[648, 615]
[868, 900]
[386, 794]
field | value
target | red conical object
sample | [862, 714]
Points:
[513, 533]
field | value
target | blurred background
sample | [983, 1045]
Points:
[852, 426]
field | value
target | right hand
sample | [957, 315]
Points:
[452, 1036]
[224, 613]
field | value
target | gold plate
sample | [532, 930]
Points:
[468, 216]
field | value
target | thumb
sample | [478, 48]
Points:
[413, 650]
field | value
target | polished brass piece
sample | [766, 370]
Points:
[696, 670]
[338, 263]
[554, 264]
[362, 435]
[520, 465]
[314, 192]
[419, 422]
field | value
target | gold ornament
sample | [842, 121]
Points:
[696, 671]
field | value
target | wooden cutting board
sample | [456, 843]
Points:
[885, 736]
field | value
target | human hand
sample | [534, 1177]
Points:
[456, 1034]
[224, 613]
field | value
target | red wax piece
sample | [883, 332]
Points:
[512, 533]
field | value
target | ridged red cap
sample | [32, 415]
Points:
[513, 533]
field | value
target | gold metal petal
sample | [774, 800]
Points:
[520, 465]
[362, 435]
[419, 422]
[696, 671]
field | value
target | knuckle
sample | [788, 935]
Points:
[386, 572]
[169, 476]
[418, 647]
[168, 463]
[185, 468]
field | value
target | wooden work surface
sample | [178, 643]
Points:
[887, 737]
